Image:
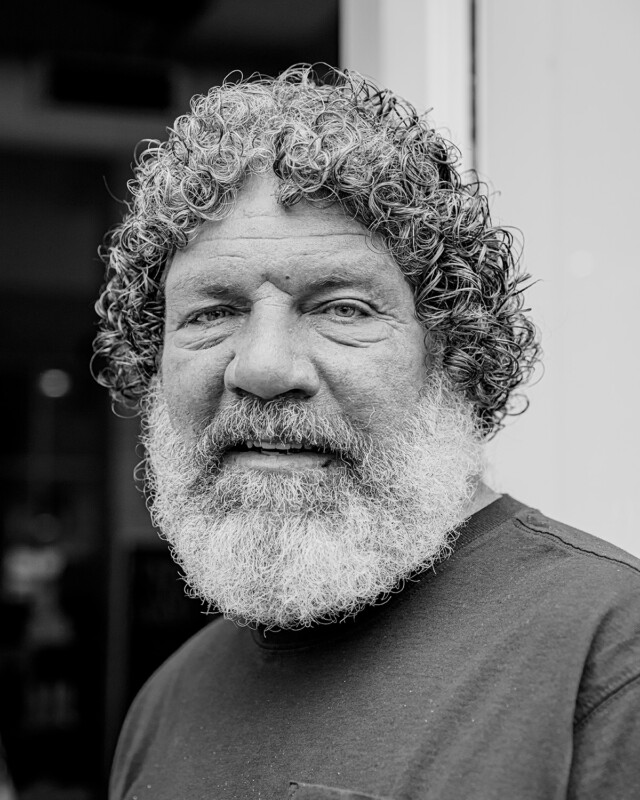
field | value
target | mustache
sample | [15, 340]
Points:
[282, 421]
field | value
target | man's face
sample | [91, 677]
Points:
[303, 454]
[275, 302]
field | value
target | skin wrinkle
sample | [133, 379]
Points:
[340, 279]
[300, 307]
[293, 236]
[345, 273]
[271, 299]
[367, 256]
[365, 283]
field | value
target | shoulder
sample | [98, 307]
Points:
[510, 536]
[575, 594]
[584, 577]
[517, 547]
[167, 694]
[578, 542]
[592, 585]
[189, 662]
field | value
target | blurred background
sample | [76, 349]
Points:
[542, 100]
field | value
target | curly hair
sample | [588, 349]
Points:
[340, 139]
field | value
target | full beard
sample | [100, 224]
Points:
[288, 549]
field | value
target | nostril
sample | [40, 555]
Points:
[267, 372]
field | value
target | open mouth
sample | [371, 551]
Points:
[263, 454]
[275, 448]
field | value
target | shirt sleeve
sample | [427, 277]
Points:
[606, 757]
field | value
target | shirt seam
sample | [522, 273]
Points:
[612, 695]
[556, 535]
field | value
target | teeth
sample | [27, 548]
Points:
[263, 444]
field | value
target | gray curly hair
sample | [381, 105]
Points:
[340, 139]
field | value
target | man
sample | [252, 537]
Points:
[320, 326]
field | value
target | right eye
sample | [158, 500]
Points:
[209, 316]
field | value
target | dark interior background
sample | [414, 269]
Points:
[90, 602]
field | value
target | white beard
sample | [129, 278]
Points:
[286, 549]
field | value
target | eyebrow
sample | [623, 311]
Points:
[335, 280]
[202, 285]
[206, 285]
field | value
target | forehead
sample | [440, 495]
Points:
[265, 241]
[257, 213]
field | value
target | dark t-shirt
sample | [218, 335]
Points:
[511, 670]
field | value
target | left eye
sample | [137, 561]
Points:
[345, 310]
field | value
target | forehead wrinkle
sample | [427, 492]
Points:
[331, 268]
[212, 283]
[200, 282]
[241, 235]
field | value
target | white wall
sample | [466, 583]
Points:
[418, 48]
[558, 133]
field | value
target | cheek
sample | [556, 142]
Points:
[374, 386]
[193, 384]
[410, 363]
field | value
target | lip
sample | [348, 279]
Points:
[277, 461]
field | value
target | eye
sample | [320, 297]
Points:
[346, 309]
[209, 315]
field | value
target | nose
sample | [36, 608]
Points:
[270, 360]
